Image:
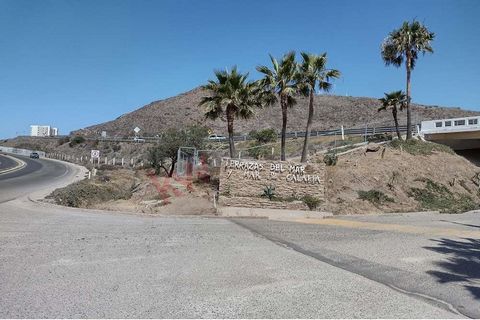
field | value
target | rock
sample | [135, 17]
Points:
[372, 147]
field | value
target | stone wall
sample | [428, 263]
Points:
[242, 183]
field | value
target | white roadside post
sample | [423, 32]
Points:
[343, 132]
[95, 154]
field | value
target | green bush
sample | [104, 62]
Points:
[86, 192]
[417, 147]
[379, 137]
[436, 196]
[259, 152]
[264, 136]
[330, 159]
[311, 202]
[76, 140]
[269, 192]
[374, 196]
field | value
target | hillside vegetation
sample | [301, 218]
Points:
[331, 112]
[402, 177]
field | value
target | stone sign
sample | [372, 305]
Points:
[242, 182]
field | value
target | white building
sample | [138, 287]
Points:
[43, 131]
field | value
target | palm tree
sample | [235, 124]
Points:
[232, 96]
[280, 81]
[312, 73]
[395, 100]
[404, 44]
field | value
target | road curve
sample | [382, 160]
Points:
[36, 175]
[6, 163]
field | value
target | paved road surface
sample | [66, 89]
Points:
[6, 163]
[59, 262]
[38, 173]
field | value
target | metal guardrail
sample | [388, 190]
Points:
[289, 135]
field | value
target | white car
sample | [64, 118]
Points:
[137, 139]
[216, 137]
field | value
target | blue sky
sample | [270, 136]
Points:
[76, 63]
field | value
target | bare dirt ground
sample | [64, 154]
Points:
[156, 195]
[394, 173]
[391, 179]
[139, 191]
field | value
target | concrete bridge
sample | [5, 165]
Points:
[461, 134]
[458, 133]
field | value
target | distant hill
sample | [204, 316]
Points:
[330, 112]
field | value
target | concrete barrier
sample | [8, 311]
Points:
[22, 152]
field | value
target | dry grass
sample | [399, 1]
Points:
[401, 176]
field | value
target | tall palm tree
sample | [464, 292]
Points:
[233, 96]
[312, 73]
[395, 100]
[280, 80]
[404, 44]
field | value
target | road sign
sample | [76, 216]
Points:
[95, 154]
[137, 129]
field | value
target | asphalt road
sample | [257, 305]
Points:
[36, 174]
[61, 262]
[6, 163]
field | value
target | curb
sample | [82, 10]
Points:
[20, 164]
[273, 214]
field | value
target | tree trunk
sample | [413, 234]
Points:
[230, 117]
[172, 168]
[307, 130]
[409, 115]
[283, 104]
[395, 119]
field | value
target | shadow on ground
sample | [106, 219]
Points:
[461, 265]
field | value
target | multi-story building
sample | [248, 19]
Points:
[43, 131]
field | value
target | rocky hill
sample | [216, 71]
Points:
[331, 112]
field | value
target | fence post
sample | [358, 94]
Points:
[106, 160]
[273, 150]
[343, 133]
[122, 162]
[113, 161]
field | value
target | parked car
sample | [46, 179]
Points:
[137, 139]
[216, 137]
[34, 155]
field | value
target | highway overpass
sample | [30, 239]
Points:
[457, 133]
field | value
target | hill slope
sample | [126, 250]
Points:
[331, 112]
